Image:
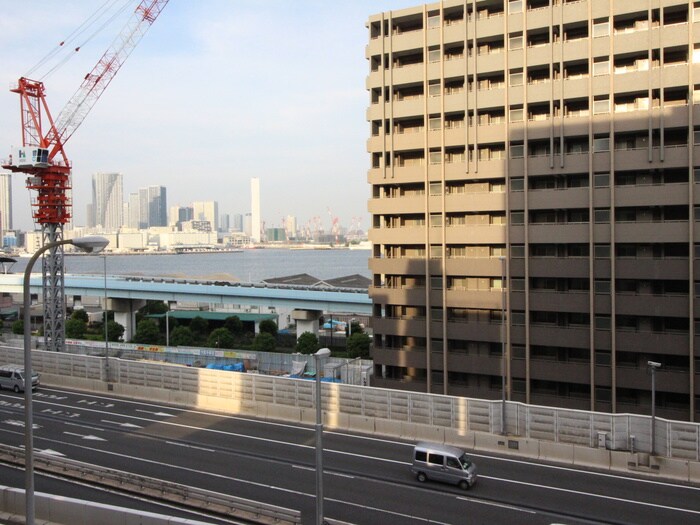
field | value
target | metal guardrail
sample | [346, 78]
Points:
[209, 501]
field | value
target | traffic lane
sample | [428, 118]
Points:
[14, 477]
[245, 475]
[219, 429]
[571, 479]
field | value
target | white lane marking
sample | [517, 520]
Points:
[302, 467]
[494, 504]
[185, 445]
[592, 495]
[79, 425]
[125, 425]
[18, 423]
[50, 452]
[83, 436]
[161, 414]
[340, 475]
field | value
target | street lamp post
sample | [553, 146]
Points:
[653, 366]
[86, 244]
[104, 258]
[323, 352]
[503, 345]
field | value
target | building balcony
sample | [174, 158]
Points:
[564, 198]
[414, 327]
[654, 305]
[645, 232]
[487, 201]
[574, 267]
[560, 301]
[474, 299]
[553, 335]
[478, 267]
[558, 233]
[653, 195]
[638, 378]
[402, 235]
[646, 342]
[648, 268]
[396, 205]
[410, 358]
[398, 266]
[387, 295]
[576, 372]
[476, 234]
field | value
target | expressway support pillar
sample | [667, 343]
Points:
[307, 321]
[125, 314]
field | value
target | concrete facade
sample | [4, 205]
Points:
[559, 135]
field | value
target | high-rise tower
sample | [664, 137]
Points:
[108, 201]
[256, 225]
[560, 136]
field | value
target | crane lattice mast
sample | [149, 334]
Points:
[43, 158]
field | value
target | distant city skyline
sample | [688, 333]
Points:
[302, 134]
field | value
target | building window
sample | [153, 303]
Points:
[517, 318]
[517, 251]
[435, 251]
[436, 282]
[434, 123]
[601, 66]
[517, 151]
[602, 322]
[433, 21]
[516, 114]
[435, 157]
[434, 88]
[602, 216]
[515, 6]
[515, 41]
[517, 284]
[517, 184]
[601, 27]
[602, 286]
[434, 55]
[601, 105]
[435, 220]
[601, 180]
[601, 144]
[602, 251]
[517, 217]
[516, 78]
[436, 188]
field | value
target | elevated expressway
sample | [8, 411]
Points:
[127, 294]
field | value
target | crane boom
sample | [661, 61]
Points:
[94, 84]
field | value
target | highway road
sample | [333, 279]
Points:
[367, 479]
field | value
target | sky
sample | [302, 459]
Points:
[217, 92]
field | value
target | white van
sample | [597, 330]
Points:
[12, 378]
[443, 463]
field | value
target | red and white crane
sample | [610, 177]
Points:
[43, 158]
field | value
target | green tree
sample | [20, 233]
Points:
[221, 338]
[358, 345]
[80, 315]
[356, 328]
[268, 326]
[18, 327]
[234, 325]
[75, 328]
[115, 331]
[181, 336]
[147, 332]
[199, 327]
[307, 343]
[264, 342]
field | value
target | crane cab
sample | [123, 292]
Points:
[30, 157]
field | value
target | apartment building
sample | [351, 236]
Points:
[537, 158]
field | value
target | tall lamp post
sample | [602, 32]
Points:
[86, 244]
[104, 258]
[503, 345]
[653, 366]
[322, 353]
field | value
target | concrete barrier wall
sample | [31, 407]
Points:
[544, 433]
[60, 511]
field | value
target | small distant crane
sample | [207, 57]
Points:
[43, 157]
